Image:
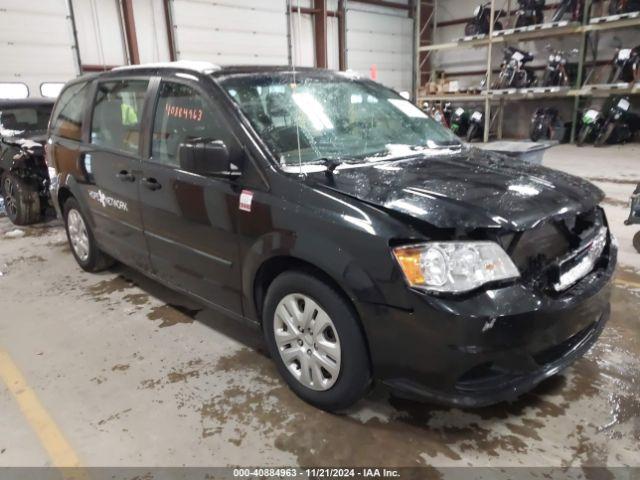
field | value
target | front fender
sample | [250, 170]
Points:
[310, 248]
[65, 182]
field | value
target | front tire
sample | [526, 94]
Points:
[314, 337]
[82, 241]
[583, 136]
[636, 241]
[21, 202]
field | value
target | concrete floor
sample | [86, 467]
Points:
[133, 374]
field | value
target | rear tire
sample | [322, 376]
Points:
[535, 134]
[636, 241]
[348, 374]
[82, 241]
[21, 202]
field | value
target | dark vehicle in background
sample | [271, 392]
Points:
[480, 23]
[363, 238]
[625, 65]
[530, 12]
[634, 216]
[24, 179]
[514, 72]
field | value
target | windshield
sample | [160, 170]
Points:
[334, 118]
[25, 119]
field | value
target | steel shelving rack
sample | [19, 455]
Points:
[494, 100]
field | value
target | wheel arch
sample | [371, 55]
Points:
[271, 268]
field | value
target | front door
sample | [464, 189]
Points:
[113, 166]
[190, 220]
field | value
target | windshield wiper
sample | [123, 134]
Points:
[333, 162]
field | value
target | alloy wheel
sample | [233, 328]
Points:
[307, 341]
[10, 201]
[78, 235]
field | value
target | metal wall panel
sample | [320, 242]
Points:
[36, 43]
[231, 31]
[99, 28]
[382, 37]
[151, 31]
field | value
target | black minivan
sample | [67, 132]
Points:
[362, 237]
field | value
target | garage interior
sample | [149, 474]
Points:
[119, 371]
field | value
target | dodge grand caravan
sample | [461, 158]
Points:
[364, 239]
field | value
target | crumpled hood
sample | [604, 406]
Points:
[470, 189]
[31, 142]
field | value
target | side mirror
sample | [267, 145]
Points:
[208, 158]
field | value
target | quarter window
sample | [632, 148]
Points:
[181, 115]
[67, 118]
[115, 123]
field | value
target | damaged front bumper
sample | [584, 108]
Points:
[489, 346]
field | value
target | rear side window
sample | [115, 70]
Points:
[66, 120]
[182, 114]
[117, 113]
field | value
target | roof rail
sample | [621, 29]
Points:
[197, 66]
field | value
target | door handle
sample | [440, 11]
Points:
[125, 176]
[151, 183]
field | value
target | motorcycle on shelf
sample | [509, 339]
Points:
[546, 125]
[530, 12]
[556, 74]
[574, 8]
[634, 216]
[460, 121]
[481, 20]
[626, 65]
[513, 71]
[476, 126]
[617, 7]
[437, 112]
[615, 124]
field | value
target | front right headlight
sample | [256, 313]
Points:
[454, 267]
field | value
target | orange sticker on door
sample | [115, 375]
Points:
[246, 197]
[194, 114]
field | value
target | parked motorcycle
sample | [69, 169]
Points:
[476, 126]
[616, 7]
[626, 65]
[573, 7]
[592, 121]
[634, 216]
[616, 125]
[437, 112]
[546, 125]
[556, 75]
[513, 71]
[619, 125]
[530, 12]
[481, 21]
[460, 122]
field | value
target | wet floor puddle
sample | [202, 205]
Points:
[409, 433]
